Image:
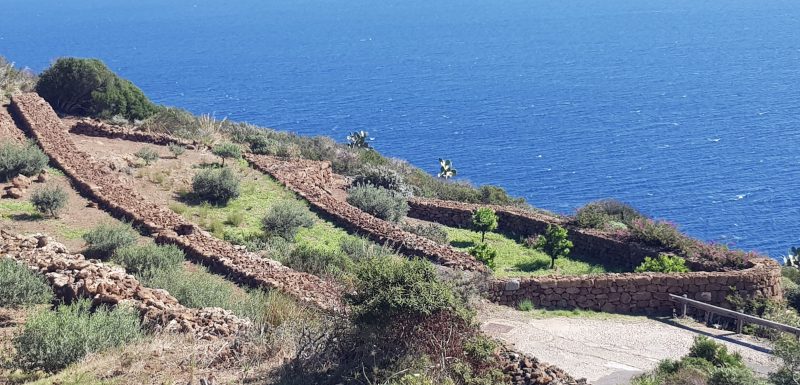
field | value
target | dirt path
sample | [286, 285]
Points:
[610, 350]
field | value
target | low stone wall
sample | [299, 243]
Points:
[102, 185]
[93, 127]
[315, 182]
[522, 223]
[8, 130]
[72, 277]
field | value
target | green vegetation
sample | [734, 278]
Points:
[525, 305]
[358, 139]
[606, 214]
[51, 340]
[554, 243]
[176, 149]
[106, 238]
[319, 261]
[446, 169]
[148, 259]
[285, 218]
[147, 154]
[13, 80]
[514, 259]
[432, 231]
[483, 253]
[382, 176]
[15, 159]
[216, 186]
[87, 87]
[49, 200]
[20, 286]
[11, 208]
[664, 263]
[484, 219]
[227, 150]
[378, 201]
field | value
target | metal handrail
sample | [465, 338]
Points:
[740, 317]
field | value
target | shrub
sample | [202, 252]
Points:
[49, 200]
[227, 150]
[284, 218]
[51, 340]
[20, 286]
[145, 260]
[318, 261]
[13, 80]
[484, 253]
[88, 87]
[359, 249]
[733, 376]
[176, 149]
[194, 289]
[173, 121]
[787, 350]
[481, 349]
[215, 186]
[235, 218]
[658, 234]
[432, 231]
[600, 214]
[382, 176]
[525, 305]
[380, 202]
[147, 154]
[15, 159]
[484, 219]
[715, 353]
[664, 263]
[105, 239]
[389, 287]
[554, 243]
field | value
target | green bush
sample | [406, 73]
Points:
[378, 201]
[603, 213]
[175, 122]
[484, 219]
[554, 243]
[176, 149]
[215, 186]
[432, 231]
[49, 200]
[195, 289]
[145, 260]
[147, 154]
[481, 349]
[15, 159]
[389, 287]
[20, 286]
[664, 263]
[382, 176]
[658, 234]
[715, 353]
[106, 238]
[318, 261]
[733, 376]
[359, 249]
[525, 305]
[51, 340]
[787, 350]
[88, 87]
[285, 218]
[227, 150]
[484, 253]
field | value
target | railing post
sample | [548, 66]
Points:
[739, 323]
[685, 305]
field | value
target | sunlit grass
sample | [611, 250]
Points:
[11, 208]
[516, 260]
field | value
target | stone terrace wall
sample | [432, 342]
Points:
[314, 181]
[8, 130]
[72, 277]
[524, 223]
[103, 185]
[643, 293]
[92, 127]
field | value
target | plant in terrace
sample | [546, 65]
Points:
[227, 150]
[664, 263]
[484, 219]
[554, 243]
[484, 253]
[358, 139]
[147, 154]
[176, 149]
[446, 169]
[49, 199]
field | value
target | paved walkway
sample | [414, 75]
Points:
[610, 350]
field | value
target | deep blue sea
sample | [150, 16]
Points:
[687, 109]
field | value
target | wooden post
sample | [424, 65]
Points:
[685, 305]
[739, 323]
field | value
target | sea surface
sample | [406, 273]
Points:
[687, 109]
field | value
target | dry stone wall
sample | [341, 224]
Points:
[73, 277]
[101, 184]
[315, 182]
[8, 130]
[93, 127]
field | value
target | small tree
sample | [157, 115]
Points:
[446, 169]
[554, 243]
[482, 252]
[484, 219]
[216, 186]
[176, 149]
[358, 139]
[147, 154]
[227, 150]
[285, 218]
[49, 200]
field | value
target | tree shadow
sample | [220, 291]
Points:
[462, 244]
[27, 217]
[537, 264]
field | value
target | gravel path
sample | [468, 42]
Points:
[610, 350]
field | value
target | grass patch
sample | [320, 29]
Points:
[574, 313]
[515, 260]
[16, 209]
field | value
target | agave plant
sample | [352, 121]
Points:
[446, 169]
[793, 259]
[358, 139]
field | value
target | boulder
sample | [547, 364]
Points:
[21, 182]
[14, 193]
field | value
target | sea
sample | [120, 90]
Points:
[688, 110]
